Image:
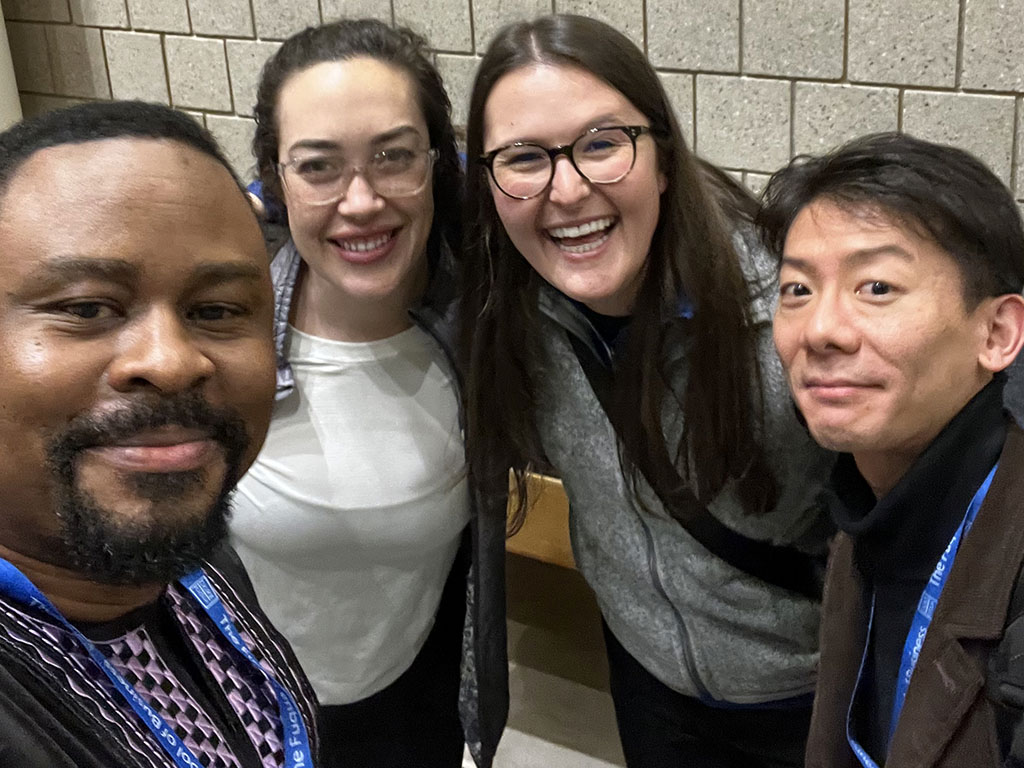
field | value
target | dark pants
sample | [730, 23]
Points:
[414, 722]
[661, 728]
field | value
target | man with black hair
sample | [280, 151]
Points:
[136, 383]
[901, 269]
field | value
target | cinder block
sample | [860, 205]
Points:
[36, 10]
[458, 73]
[234, 134]
[226, 18]
[491, 15]
[794, 38]
[444, 22]
[245, 60]
[679, 88]
[993, 57]
[756, 182]
[99, 13]
[278, 19]
[356, 9]
[983, 125]
[30, 57]
[135, 61]
[198, 73]
[33, 104]
[627, 16]
[911, 42]
[159, 15]
[743, 122]
[79, 68]
[825, 116]
[694, 34]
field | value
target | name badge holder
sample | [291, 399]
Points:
[919, 625]
[295, 737]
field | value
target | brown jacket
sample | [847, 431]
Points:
[947, 721]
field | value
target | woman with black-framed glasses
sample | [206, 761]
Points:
[354, 520]
[616, 312]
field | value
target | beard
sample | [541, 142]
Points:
[104, 546]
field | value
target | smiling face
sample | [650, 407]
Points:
[879, 346]
[136, 361]
[364, 247]
[589, 241]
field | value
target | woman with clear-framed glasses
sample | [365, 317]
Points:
[354, 520]
[617, 311]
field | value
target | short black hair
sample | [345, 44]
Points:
[98, 120]
[941, 192]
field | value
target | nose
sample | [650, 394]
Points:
[568, 186]
[829, 327]
[359, 199]
[158, 351]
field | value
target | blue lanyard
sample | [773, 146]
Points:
[296, 742]
[920, 623]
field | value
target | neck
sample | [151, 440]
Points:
[321, 310]
[882, 471]
[77, 597]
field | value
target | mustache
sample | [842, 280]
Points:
[186, 410]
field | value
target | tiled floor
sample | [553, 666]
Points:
[560, 713]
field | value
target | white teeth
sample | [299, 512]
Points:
[364, 245]
[583, 229]
[585, 247]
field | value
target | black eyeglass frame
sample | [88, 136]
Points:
[553, 153]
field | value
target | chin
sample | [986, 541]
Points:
[150, 528]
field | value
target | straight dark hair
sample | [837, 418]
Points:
[691, 255]
[400, 47]
[942, 193]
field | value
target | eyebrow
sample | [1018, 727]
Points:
[224, 272]
[71, 268]
[601, 121]
[330, 144]
[857, 257]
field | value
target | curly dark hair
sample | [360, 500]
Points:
[401, 47]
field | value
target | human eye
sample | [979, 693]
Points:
[394, 159]
[793, 293]
[216, 312]
[876, 290]
[524, 158]
[316, 168]
[603, 142]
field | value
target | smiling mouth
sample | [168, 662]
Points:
[365, 244]
[583, 238]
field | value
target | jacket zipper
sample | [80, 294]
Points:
[689, 662]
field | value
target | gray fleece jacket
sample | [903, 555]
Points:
[698, 624]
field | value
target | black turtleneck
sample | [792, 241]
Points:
[899, 539]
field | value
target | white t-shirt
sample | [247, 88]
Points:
[350, 518]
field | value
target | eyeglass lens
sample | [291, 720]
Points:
[602, 156]
[322, 178]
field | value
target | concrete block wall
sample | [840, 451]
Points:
[753, 81]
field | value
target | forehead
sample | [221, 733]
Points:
[529, 103]
[349, 100]
[156, 201]
[824, 229]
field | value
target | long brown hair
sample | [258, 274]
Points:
[691, 255]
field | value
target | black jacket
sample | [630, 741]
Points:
[58, 718]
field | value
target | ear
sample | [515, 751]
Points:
[1005, 332]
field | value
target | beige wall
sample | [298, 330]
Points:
[754, 81]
